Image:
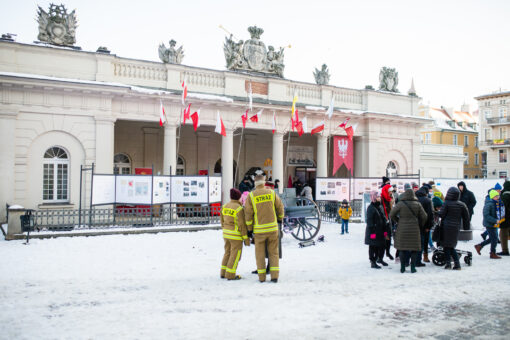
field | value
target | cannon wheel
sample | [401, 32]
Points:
[306, 228]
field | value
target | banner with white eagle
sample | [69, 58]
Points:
[343, 153]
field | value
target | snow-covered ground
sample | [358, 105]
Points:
[167, 286]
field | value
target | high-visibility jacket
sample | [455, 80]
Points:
[263, 209]
[233, 222]
[344, 213]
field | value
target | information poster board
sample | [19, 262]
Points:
[214, 189]
[134, 189]
[161, 190]
[331, 189]
[365, 185]
[189, 189]
[103, 189]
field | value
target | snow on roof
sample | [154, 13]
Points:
[442, 118]
[210, 97]
[315, 108]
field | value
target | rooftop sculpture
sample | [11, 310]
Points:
[57, 27]
[322, 76]
[171, 55]
[252, 54]
[388, 79]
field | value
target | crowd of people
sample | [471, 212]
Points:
[410, 216]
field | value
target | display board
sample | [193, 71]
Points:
[103, 189]
[133, 189]
[365, 185]
[331, 189]
[161, 190]
[214, 189]
[189, 189]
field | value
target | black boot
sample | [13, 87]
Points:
[402, 266]
[448, 265]
[456, 266]
[388, 255]
[374, 265]
[413, 262]
[382, 262]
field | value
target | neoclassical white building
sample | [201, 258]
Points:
[61, 108]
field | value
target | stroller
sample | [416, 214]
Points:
[439, 256]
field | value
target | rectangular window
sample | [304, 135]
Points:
[455, 142]
[502, 112]
[466, 140]
[502, 101]
[502, 156]
[487, 103]
[466, 160]
[484, 158]
[502, 133]
[48, 177]
[503, 174]
[428, 138]
[477, 159]
[55, 182]
[487, 134]
[476, 141]
[487, 114]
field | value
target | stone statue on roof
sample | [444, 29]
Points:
[388, 79]
[322, 76]
[171, 55]
[56, 26]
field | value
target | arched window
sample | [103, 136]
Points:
[391, 169]
[181, 167]
[122, 164]
[55, 175]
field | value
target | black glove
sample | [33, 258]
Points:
[250, 234]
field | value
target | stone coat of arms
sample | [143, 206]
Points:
[171, 54]
[388, 79]
[252, 55]
[57, 27]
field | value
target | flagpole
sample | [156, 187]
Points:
[250, 95]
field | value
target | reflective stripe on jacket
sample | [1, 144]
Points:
[263, 210]
[232, 221]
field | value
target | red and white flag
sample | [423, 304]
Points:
[220, 128]
[162, 114]
[274, 122]
[299, 128]
[317, 128]
[244, 117]
[344, 124]
[329, 113]
[195, 117]
[295, 120]
[351, 130]
[255, 118]
[186, 114]
[184, 92]
[304, 122]
[250, 98]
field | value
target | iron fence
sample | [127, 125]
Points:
[329, 209]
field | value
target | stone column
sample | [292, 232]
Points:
[105, 130]
[278, 159]
[322, 156]
[7, 161]
[203, 151]
[227, 164]
[170, 149]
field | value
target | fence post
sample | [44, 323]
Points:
[91, 191]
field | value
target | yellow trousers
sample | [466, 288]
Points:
[260, 254]
[231, 258]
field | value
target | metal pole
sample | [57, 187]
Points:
[238, 154]
[115, 197]
[287, 156]
[79, 206]
[152, 191]
[91, 191]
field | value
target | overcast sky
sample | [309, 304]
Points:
[454, 49]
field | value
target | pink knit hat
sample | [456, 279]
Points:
[373, 195]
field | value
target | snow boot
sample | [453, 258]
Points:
[413, 268]
[274, 280]
[420, 264]
[448, 266]
[503, 253]
[478, 249]
[382, 262]
[495, 256]
[402, 267]
[374, 265]
[456, 266]
[388, 255]
[237, 277]
[426, 258]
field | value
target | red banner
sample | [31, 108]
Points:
[343, 153]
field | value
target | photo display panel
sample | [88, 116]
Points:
[214, 189]
[103, 189]
[331, 189]
[134, 189]
[189, 189]
[161, 190]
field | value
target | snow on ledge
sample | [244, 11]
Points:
[210, 97]
[315, 108]
[16, 206]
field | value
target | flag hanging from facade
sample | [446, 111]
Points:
[351, 130]
[250, 98]
[274, 122]
[162, 114]
[185, 114]
[195, 117]
[244, 117]
[317, 128]
[329, 113]
[184, 92]
[305, 125]
[293, 110]
[343, 153]
[220, 128]
[299, 128]
[295, 120]
[255, 117]
[344, 124]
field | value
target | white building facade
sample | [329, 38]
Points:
[62, 108]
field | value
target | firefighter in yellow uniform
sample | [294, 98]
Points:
[234, 234]
[263, 209]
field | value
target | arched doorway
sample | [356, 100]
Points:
[392, 169]
[217, 170]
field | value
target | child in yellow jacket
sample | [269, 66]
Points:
[345, 213]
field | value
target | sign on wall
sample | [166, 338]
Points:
[103, 189]
[300, 156]
[331, 189]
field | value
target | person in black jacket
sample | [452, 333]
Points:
[426, 203]
[467, 197]
[505, 226]
[377, 231]
[453, 213]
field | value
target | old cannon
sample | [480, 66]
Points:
[302, 216]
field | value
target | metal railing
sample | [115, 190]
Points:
[329, 209]
[498, 120]
[497, 142]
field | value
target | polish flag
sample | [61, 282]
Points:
[195, 117]
[255, 118]
[344, 124]
[244, 117]
[186, 114]
[299, 128]
[162, 114]
[295, 120]
[220, 128]
[304, 121]
[184, 92]
[274, 123]
[329, 113]
[350, 131]
[317, 128]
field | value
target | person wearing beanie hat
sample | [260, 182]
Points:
[345, 212]
[504, 228]
[407, 186]
[263, 210]
[415, 186]
[437, 203]
[385, 180]
[498, 187]
[234, 234]
[493, 216]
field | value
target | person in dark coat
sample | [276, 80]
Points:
[245, 185]
[467, 197]
[453, 213]
[493, 216]
[422, 195]
[386, 202]
[504, 228]
[377, 231]
[410, 216]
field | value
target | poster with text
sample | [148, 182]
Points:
[331, 189]
[365, 185]
[189, 189]
[300, 156]
[103, 189]
[134, 189]
[214, 189]
[161, 190]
